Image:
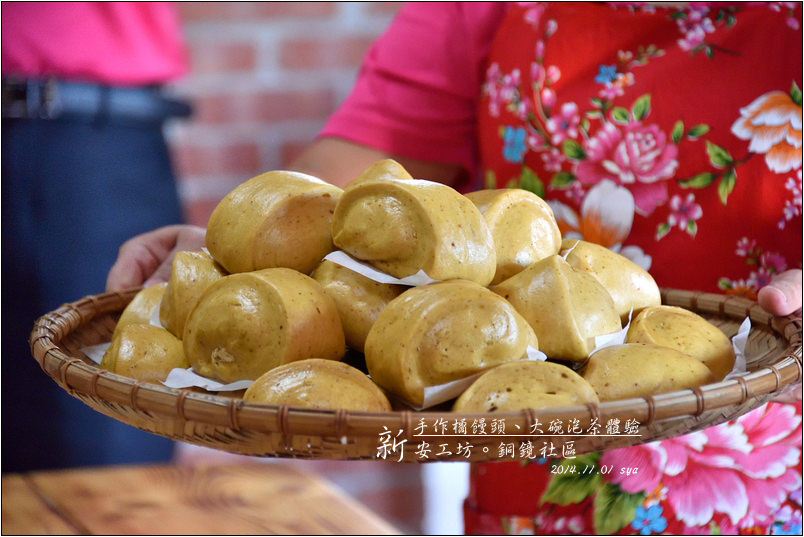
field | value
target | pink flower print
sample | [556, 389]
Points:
[761, 277]
[553, 74]
[576, 192]
[535, 141]
[773, 261]
[639, 156]
[694, 27]
[538, 50]
[560, 525]
[746, 247]
[550, 28]
[744, 468]
[792, 207]
[523, 109]
[537, 73]
[788, 522]
[684, 211]
[797, 497]
[565, 125]
[534, 14]
[548, 97]
[552, 160]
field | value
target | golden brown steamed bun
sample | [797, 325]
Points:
[566, 308]
[523, 226]
[631, 286]
[525, 384]
[277, 219]
[685, 331]
[434, 334]
[402, 226]
[141, 307]
[359, 299]
[190, 274]
[245, 324]
[320, 384]
[144, 352]
[642, 369]
[383, 169]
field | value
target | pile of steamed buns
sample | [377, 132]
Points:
[261, 303]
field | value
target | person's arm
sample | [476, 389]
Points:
[338, 161]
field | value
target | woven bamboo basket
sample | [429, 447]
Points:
[226, 422]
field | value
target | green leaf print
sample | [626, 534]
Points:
[490, 179]
[697, 131]
[562, 179]
[641, 107]
[575, 480]
[662, 230]
[531, 182]
[620, 114]
[573, 150]
[700, 180]
[614, 508]
[795, 94]
[678, 131]
[726, 184]
[719, 157]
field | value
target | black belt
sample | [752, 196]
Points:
[53, 99]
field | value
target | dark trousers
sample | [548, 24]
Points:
[72, 192]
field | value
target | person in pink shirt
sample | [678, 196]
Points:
[671, 134]
[85, 166]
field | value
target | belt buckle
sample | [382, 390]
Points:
[31, 99]
[49, 102]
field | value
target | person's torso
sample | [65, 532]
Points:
[672, 135]
[114, 43]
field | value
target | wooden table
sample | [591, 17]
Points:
[208, 499]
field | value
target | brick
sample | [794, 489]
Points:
[312, 53]
[249, 11]
[197, 212]
[220, 57]
[264, 106]
[216, 160]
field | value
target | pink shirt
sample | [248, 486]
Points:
[122, 43]
[419, 112]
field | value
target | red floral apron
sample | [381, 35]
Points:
[671, 135]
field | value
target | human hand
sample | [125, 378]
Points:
[782, 296]
[146, 259]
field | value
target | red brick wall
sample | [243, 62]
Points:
[263, 78]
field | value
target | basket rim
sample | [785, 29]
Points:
[77, 376]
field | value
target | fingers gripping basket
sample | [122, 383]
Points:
[226, 422]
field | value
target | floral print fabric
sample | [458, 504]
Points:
[671, 135]
[684, 137]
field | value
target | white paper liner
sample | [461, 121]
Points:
[345, 260]
[178, 377]
[187, 378]
[615, 338]
[739, 341]
[433, 395]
